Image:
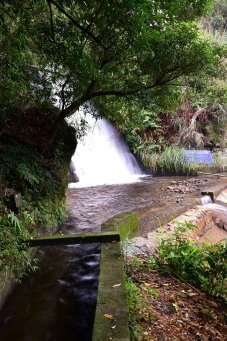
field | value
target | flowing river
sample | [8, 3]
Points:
[58, 301]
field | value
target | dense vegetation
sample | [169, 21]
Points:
[171, 161]
[81, 50]
[130, 58]
[42, 179]
[192, 113]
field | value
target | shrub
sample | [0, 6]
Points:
[14, 229]
[205, 266]
[41, 175]
[38, 173]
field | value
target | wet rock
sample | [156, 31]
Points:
[185, 186]
[141, 245]
[220, 223]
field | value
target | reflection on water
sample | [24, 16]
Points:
[57, 302]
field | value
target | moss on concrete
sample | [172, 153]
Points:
[125, 223]
[74, 238]
[111, 318]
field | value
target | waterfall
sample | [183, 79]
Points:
[219, 211]
[206, 199]
[103, 157]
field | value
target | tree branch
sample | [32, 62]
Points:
[77, 103]
[88, 95]
[78, 25]
[51, 20]
[95, 16]
[62, 91]
[123, 93]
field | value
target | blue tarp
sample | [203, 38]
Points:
[204, 156]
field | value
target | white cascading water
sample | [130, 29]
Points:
[220, 211]
[206, 199]
[102, 157]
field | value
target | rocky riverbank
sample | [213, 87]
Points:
[178, 199]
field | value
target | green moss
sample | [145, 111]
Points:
[125, 223]
[112, 300]
[111, 297]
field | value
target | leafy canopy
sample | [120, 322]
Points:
[66, 52]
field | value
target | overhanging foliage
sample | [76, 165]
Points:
[64, 53]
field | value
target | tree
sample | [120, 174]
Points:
[58, 54]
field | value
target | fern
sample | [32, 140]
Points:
[26, 174]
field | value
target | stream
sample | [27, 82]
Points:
[57, 302]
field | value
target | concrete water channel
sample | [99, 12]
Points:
[58, 301]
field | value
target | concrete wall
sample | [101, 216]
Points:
[111, 318]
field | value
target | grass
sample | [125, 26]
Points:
[171, 161]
